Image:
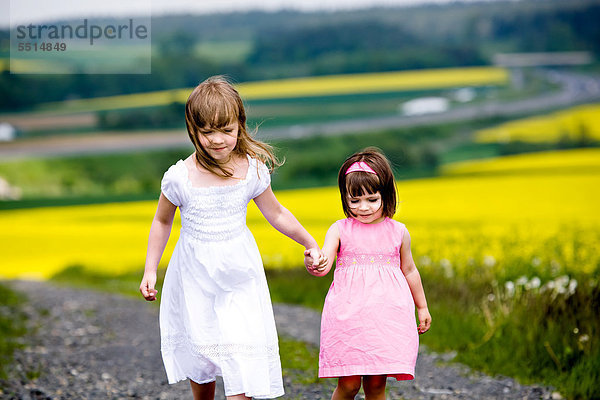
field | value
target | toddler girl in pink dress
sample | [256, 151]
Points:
[368, 326]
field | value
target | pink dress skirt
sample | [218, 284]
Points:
[368, 325]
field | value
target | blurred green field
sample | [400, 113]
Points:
[102, 59]
[305, 87]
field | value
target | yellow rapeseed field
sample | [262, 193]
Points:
[309, 87]
[577, 123]
[533, 215]
[374, 82]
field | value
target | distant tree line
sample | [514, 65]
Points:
[355, 46]
[288, 44]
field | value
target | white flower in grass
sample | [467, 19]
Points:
[534, 283]
[536, 261]
[509, 286]
[562, 280]
[491, 297]
[447, 267]
[425, 261]
[550, 285]
[572, 287]
[522, 281]
[489, 261]
[445, 263]
[584, 338]
[561, 284]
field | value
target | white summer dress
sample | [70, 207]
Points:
[216, 316]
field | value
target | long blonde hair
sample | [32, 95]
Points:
[216, 104]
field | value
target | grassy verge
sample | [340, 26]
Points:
[537, 334]
[126, 284]
[12, 327]
[299, 361]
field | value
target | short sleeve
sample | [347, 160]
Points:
[261, 178]
[170, 185]
[404, 232]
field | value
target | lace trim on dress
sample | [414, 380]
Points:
[219, 351]
[217, 217]
[367, 260]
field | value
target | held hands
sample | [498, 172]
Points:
[314, 260]
[147, 286]
[424, 320]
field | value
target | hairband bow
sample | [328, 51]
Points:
[360, 166]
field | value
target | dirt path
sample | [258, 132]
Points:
[91, 345]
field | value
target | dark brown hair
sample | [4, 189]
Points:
[358, 183]
[216, 104]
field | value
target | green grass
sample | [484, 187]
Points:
[12, 326]
[296, 286]
[125, 284]
[299, 361]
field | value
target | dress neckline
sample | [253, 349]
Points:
[239, 182]
[354, 220]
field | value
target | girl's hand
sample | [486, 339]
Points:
[147, 286]
[424, 320]
[314, 260]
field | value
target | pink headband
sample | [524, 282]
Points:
[360, 166]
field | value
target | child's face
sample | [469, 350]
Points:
[219, 143]
[366, 208]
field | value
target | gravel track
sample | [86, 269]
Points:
[92, 345]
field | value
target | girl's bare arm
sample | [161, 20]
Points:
[413, 278]
[160, 231]
[330, 249]
[283, 220]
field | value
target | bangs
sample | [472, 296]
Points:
[360, 183]
[216, 110]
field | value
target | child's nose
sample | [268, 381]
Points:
[217, 138]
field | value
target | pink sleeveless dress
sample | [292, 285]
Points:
[368, 325]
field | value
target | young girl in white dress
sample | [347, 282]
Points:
[216, 317]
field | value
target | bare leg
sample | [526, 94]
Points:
[205, 391]
[347, 388]
[374, 386]
[238, 397]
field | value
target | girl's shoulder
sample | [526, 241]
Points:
[396, 224]
[256, 164]
[176, 171]
[258, 177]
[173, 182]
[342, 223]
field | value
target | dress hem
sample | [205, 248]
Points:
[400, 373]
[268, 396]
